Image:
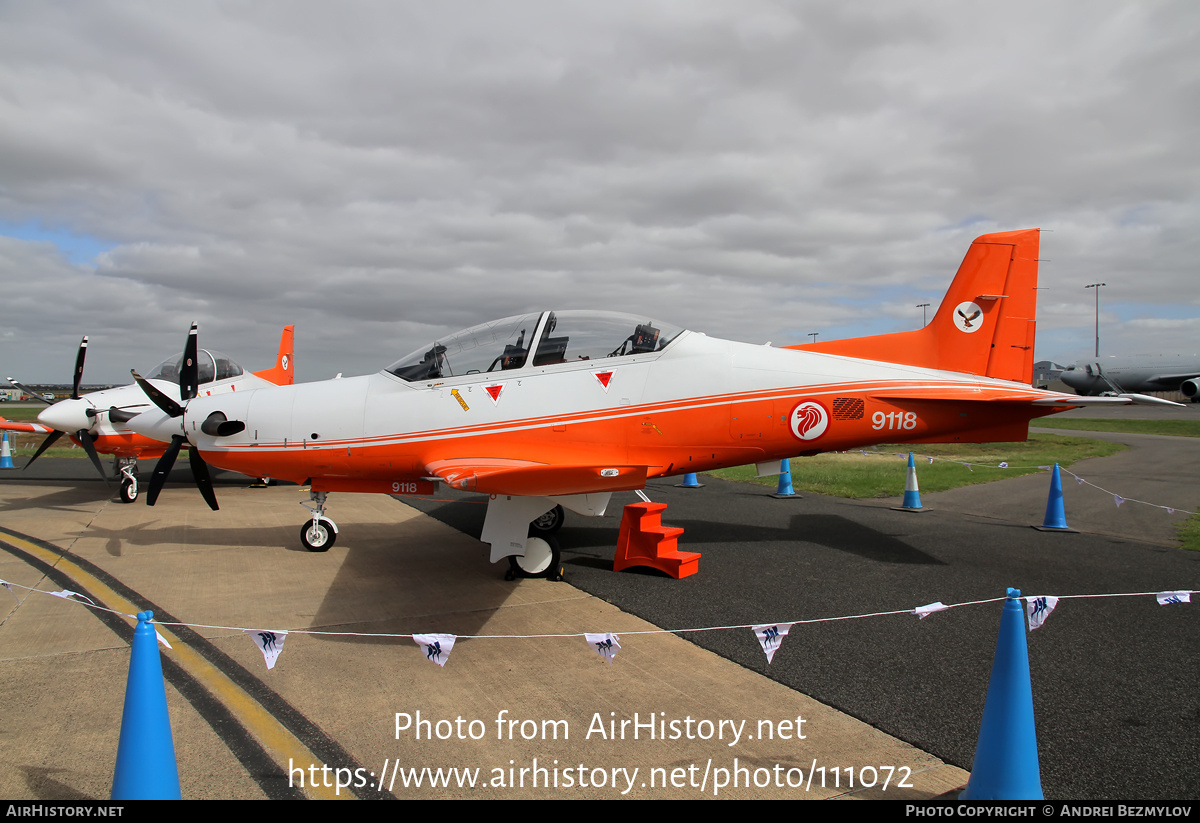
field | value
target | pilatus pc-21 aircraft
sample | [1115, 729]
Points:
[98, 421]
[562, 408]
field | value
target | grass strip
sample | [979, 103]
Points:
[881, 474]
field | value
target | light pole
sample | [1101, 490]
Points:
[922, 307]
[1097, 286]
[813, 335]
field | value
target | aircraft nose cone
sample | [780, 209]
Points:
[67, 415]
[156, 425]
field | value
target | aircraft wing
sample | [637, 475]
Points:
[14, 426]
[492, 475]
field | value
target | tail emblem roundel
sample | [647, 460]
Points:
[809, 420]
[968, 317]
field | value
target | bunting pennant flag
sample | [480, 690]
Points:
[436, 646]
[770, 637]
[8, 586]
[605, 644]
[162, 639]
[67, 594]
[1079, 480]
[1165, 598]
[924, 611]
[269, 643]
[1004, 465]
[1170, 510]
[1037, 609]
[1118, 499]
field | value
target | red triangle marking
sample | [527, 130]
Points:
[494, 391]
[604, 377]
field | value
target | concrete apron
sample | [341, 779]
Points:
[393, 570]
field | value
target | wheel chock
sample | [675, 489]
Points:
[645, 541]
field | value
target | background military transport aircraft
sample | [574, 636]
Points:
[567, 407]
[98, 421]
[1114, 375]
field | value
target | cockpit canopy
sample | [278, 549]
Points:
[565, 337]
[211, 366]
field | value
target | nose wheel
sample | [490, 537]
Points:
[319, 533]
[127, 470]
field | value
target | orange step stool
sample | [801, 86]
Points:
[645, 541]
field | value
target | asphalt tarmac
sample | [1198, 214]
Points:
[1113, 678]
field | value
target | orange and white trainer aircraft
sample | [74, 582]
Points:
[562, 408]
[98, 421]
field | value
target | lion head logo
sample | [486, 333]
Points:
[809, 420]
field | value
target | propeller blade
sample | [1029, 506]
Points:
[169, 406]
[163, 468]
[47, 443]
[201, 476]
[31, 392]
[79, 358]
[189, 375]
[87, 441]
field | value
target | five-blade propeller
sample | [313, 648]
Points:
[83, 435]
[215, 425]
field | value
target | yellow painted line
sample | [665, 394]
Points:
[281, 744]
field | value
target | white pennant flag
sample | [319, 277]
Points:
[162, 639]
[1118, 499]
[1004, 465]
[8, 586]
[436, 646]
[67, 594]
[770, 637]
[924, 611]
[1038, 609]
[1173, 597]
[269, 643]
[605, 644]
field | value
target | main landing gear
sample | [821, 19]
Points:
[128, 473]
[318, 534]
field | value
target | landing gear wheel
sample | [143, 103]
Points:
[549, 523]
[129, 489]
[541, 559]
[319, 536]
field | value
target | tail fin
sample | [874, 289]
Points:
[985, 324]
[283, 373]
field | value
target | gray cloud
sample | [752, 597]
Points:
[378, 173]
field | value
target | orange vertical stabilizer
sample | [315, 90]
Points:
[985, 323]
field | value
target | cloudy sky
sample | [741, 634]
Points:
[381, 173]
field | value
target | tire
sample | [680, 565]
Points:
[541, 558]
[549, 523]
[129, 489]
[319, 537]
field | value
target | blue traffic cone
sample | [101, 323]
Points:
[912, 494]
[1056, 515]
[146, 767]
[784, 489]
[5, 454]
[690, 481]
[1006, 757]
